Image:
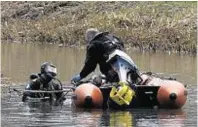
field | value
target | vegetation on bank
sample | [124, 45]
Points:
[144, 26]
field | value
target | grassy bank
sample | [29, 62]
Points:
[144, 26]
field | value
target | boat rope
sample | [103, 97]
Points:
[20, 92]
[65, 94]
[43, 91]
[59, 82]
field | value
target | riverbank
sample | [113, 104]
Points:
[143, 26]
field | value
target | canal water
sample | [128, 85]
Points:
[18, 61]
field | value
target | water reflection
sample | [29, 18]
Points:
[130, 118]
[20, 60]
[143, 118]
[40, 107]
[86, 117]
[17, 113]
[117, 119]
[171, 118]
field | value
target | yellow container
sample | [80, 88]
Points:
[123, 94]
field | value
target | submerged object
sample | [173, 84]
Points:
[171, 94]
[87, 95]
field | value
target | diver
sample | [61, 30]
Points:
[45, 81]
[99, 46]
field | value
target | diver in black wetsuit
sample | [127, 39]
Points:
[100, 45]
[46, 81]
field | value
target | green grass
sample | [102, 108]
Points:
[144, 26]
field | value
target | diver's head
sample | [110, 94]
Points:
[90, 34]
[48, 71]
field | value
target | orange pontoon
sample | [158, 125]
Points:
[88, 95]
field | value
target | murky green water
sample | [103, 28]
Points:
[19, 61]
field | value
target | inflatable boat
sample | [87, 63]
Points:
[146, 90]
[153, 92]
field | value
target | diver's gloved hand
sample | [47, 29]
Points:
[76, 78]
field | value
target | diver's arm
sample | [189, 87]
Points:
[90, 62]
[34, 83]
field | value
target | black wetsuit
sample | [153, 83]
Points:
[38, 83]
[97, 53]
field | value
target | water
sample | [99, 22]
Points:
[19, 60]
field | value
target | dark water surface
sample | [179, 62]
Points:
[19, 60]
[15, 113]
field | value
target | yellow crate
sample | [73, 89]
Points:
[123, 94]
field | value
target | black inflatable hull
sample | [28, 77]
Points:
[145, 98]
